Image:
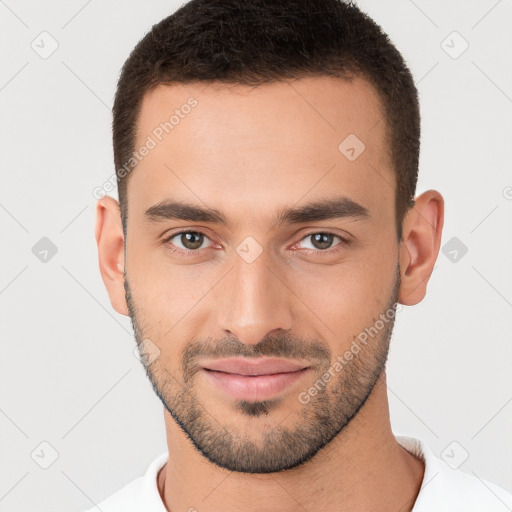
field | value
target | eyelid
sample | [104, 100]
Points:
[167, 240]
[344, 241]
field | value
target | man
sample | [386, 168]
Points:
[267, 227]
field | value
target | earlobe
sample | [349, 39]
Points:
[422, 230]
[110, 240]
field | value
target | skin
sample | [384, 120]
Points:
[250, 153]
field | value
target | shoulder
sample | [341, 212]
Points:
[445, 489]
[139, 494]
[125, 499]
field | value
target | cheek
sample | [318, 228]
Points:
[165, 286]
[171, 304]
[348, 297]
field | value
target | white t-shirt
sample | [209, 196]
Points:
[443, 489]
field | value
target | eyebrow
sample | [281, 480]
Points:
[334, 208]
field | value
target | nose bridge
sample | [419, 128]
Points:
[253, 301]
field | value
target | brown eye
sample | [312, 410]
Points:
[187, 240]
[322, 241]
[191, 240]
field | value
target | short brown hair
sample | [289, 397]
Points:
[253, 42]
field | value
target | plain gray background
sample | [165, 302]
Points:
[68, 376]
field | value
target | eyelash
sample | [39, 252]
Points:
[344, 242]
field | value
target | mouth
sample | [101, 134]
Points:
[257, 379]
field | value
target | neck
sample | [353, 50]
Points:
[363, 468]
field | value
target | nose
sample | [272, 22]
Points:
[253, 301]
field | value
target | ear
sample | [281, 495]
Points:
[110, 240]
[421, 239]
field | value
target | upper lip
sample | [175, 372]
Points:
[258, 366]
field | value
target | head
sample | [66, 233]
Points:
[267, 159]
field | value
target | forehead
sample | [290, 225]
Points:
[238, 145]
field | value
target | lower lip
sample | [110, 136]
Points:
[254, 387]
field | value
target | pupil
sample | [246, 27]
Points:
[322, 240]
[187, 239]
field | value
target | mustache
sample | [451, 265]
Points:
[284, 345]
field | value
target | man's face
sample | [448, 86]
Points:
[300, 290]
